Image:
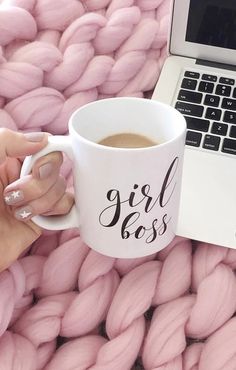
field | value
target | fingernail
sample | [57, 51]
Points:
[23, 214]
[34, 136]
[45, 170]
[14, 197]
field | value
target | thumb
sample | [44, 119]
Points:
[15, 144]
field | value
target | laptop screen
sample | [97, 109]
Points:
[212, 22]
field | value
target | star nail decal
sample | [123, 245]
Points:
[7, 199]
[24, 214]
[15, 194]
[14, 197]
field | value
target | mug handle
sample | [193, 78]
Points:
[70, 220]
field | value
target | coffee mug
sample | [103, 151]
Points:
[126, 198]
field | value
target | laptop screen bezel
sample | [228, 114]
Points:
[179, 46]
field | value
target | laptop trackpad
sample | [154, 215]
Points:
[208, 198]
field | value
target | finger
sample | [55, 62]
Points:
[15, 144]
[43, 204]
[13, 166]
[63, 206]
[32, 186]
[41, 168]
[12, 170]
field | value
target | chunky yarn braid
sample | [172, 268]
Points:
[76, 309]
[58, 55]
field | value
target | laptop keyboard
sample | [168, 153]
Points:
[208, 103]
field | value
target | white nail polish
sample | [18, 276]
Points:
[14, 197]
[23, 213]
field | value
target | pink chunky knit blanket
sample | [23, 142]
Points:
[62, 305]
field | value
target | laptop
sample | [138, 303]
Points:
[199, 79]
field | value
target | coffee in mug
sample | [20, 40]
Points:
[126, 198]
[127, 140]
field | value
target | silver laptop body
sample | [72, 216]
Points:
[199, 79]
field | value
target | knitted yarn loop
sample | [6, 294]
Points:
[57, 55]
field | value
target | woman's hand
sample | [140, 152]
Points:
[42, 192]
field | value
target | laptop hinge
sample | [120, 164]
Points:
[215, 64]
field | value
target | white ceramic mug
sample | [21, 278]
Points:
[126, 200]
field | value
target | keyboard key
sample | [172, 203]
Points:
[189, 84]
[234, 93]
[211, 142]
[190, 96]
[233, 131]
[189, 109]
[227, 81]
[206, 87]
[193, 138]
[219, 128]
[197, 124]
[230, 117]
[206, 77]
[212, 100]
[229, 146]
[223, 90]
[192, 74]
[229, 104]
[214, 114]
